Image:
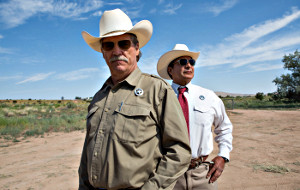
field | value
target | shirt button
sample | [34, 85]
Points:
[100, 131]
[106, 110]
[94, 177]
[95, 154]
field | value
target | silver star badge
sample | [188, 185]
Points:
[138, 92]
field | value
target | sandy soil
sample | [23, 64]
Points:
[261, 138]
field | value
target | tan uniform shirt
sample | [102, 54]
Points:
[134, 140]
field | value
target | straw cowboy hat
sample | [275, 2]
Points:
[179, 50]
[116, 22]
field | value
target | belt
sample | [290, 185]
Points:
[196, 162]
[119, 189]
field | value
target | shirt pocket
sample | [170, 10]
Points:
[92, 121]
[131, 123]
[203, 115]
[202, 108]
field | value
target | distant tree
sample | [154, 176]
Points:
[77, 98]
[259, 96]
[62, 98]
[288, 86]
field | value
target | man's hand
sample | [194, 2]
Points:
[216, 170]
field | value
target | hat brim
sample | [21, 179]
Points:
[165, 60]
[143, 30]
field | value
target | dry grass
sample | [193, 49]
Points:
[271, 168]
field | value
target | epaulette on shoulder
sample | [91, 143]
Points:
[157, 77]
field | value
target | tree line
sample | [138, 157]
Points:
[288, 85]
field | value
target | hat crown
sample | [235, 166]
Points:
[181, 47]
[114, 21]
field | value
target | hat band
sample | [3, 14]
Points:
[115, 32]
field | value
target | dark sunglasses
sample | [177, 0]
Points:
[123, 44]
[183, 62]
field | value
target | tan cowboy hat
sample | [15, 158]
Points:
[179, 50]
[116, 22]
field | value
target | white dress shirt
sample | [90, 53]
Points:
[206, 109]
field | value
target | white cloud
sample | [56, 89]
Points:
[37, 77]
[97, 13]
[160, 2]
[114, 3]
[153, 11]
[254, 44]
[70, 10]
[77, 74]
[133, 13]
[255, 32]
[217, 9]
[5, 78]
[264, 67]
[4, 50]
[171, 9]
[16, 12]
[148, 64]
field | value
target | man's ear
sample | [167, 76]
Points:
[137, 48]
[170, 69]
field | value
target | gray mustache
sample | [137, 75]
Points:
[118, 58]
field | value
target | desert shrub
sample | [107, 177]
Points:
[271, 168]
[259, 96]
[40, 118]
[71, 105]
[11, 131]
[4, 105]
[33, 132]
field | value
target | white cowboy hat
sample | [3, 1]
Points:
[116, 22]
[179, 50]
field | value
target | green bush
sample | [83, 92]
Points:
[71, 105]
[266, 103]
[259, 96]
[40, 118]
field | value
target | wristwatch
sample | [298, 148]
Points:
[225, 159]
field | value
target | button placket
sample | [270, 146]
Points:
[100, 139]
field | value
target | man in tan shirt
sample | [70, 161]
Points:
[136, 133]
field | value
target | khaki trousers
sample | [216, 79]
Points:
[195, 179]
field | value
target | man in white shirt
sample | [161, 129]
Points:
[202, 109]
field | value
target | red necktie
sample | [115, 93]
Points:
[184, 105]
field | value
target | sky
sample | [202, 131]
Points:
[241, 43]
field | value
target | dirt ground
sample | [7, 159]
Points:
[262, 139]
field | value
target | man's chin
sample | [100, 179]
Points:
[189, 76]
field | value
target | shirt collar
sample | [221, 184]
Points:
[176, 86]
[132, 79]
